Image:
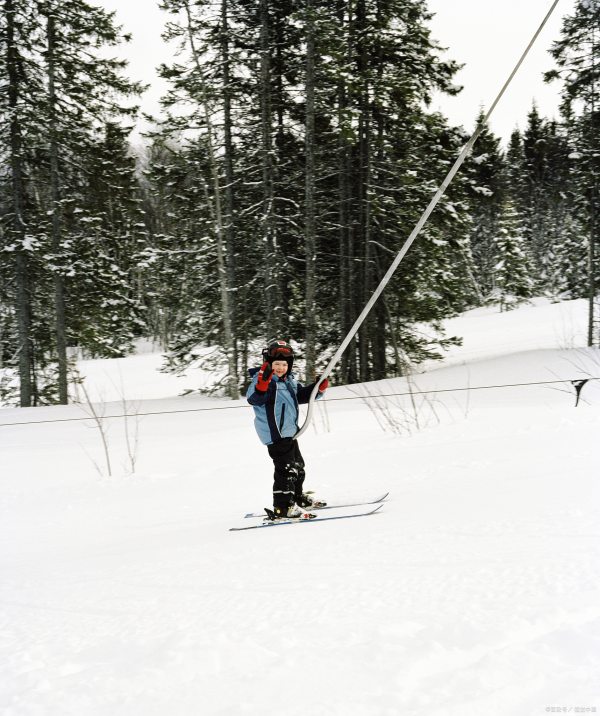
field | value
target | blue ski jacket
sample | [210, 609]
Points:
[276, 411]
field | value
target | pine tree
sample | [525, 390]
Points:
[382, 69]
[563, 207]
[486, 171]
[535, 208]
[310, 213]
[571, 259]
[107, 235]
[64, 94]
[18, 122]
[576, 57]
[258, 149]
[514, 170]
[513, 283]
[333, 158]
[87, 96]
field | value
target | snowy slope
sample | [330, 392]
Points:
[475, 591]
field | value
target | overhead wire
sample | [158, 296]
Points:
[325, 401]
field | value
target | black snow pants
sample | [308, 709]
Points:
[289, 472]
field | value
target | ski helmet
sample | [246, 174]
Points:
[279, 350]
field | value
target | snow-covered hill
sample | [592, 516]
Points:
[474, 591]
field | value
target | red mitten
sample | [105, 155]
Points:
[323, 385]
[264, 377]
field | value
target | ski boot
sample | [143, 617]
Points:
[291, 512]
[307, 500]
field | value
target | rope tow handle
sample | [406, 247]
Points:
[417, 230]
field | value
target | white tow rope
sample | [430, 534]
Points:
[416, 231]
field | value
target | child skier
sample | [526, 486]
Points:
[275, 394]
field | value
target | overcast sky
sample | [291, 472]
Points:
[487, 36]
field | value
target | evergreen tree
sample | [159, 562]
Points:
[512, 278]
[486, 171]
[563, 208]
[536, 196]
[382, 67]
[204, 80]
[332, 158]
[540, 184]
[577, 66]
[63, 95]
[107, 236]
[514, 170]
[87, 97]
[571, 259]
[19, 128]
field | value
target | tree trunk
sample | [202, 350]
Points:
[592, 265]
[310, 242]
[217, 216]
[342, 157]
[271, 288]
[59, 284]
[593, 196]
[350, 366]
[229, 177]
[22, 277]
[363, 187]
[377, 232]
[381, 312]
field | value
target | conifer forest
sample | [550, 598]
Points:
[294, 152]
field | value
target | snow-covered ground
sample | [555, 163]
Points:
[475, 591]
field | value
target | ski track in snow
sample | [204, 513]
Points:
[474, 590]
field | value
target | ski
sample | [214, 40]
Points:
[317, 518]
[333, 506]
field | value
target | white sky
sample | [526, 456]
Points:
[487, 36]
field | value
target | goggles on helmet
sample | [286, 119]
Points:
[276, 349]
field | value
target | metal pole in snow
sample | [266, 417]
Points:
[416, 231]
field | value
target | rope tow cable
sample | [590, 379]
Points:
[416, 231]
[577, 383]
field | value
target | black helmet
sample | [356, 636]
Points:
[279, 350]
